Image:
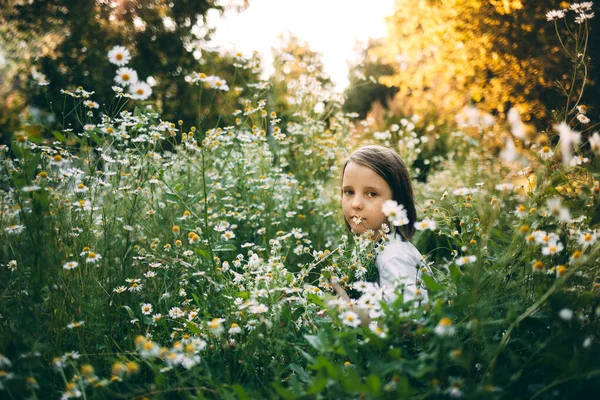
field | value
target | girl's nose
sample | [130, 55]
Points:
[357, 203]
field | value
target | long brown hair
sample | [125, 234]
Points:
[387, 164]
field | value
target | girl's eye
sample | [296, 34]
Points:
[371, 194]
[348, 192]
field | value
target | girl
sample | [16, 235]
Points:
[371, 176]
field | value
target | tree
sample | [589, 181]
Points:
[364, 90]
[68, 40]
[495, 54]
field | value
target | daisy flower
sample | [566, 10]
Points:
[92, 258]
[216, 325]
[566, 314]
[228, 235]
[425, 224]
[553, 15]
[71, 265]
[465, 260]
[146, 308]
[234, 329]
[75, 324]
[14, 229]
[587, 238]
[552, 249]
[126, 76]
[119, 55]
[350, 318]
[521, 211]
[140, 90]
[120, 289]
[595, 143]
[444, 327]
[505, 186]
[91, 104]
[176, 312]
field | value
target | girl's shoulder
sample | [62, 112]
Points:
[398, 249]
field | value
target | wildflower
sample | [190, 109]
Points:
[464, 260]
[120, 289]
[587, 238]
[12, 265]
[425, 224]
[505, 186]
[119, 55]
[91, 104]
[140, 91]
[350, 318]
[568, 138]
[146, 308]
[216, 326]
[395, 212]
[444, 327]
[234, 329]
[132, 367]
[4, 361]
[537, 266]
[32, 383]
[553, 15]
[176, 312]
[92, 258]
[576, 257]
[259, 309]
[126, 76]
[228, 235]
[377, 330]
[136, 287]
[521, 211]
[560, 271]
[553, 248]
[71, 391]
[583, 119]
[566, 314]
[357, 220]
[150, 274]
[14, 229]
[75, 324]
[587, 342]
[595, 143]
[87, 370]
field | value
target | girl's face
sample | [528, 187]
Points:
[363, 195]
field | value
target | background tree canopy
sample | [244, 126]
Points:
[68, 42]
[496, 54]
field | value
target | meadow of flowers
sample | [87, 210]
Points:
[142, 258]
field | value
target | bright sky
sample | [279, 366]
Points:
[331, 27]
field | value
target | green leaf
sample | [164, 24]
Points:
[240, 392]
[374, 384]
[59, 136]
[302, 375]
[225, 247]
[282, 392]
[129, 311]
[455, 273]
[317, 386]
[202, 253]
[431, 284]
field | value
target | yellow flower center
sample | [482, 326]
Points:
[445, 322]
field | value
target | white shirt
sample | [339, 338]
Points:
[399, 262]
